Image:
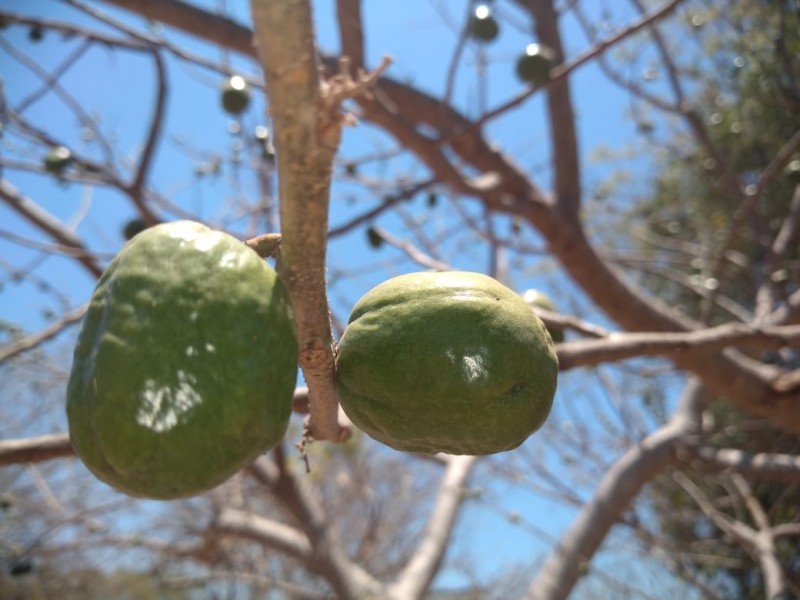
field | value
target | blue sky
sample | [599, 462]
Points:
[117, 86]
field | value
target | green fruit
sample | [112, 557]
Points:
[534, 65]
[482, 25]
[374, 238]
[446, 362]
[134, 227]
[235, 95]
[185, 365]
[792, 172]
[57, 159]
[537, 299]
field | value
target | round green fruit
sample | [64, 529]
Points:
[537, 299]
[446, 362]
[235, 95]
[57, 159]
[482, 25]
[534, 65]
[185, 365]
[134, 227]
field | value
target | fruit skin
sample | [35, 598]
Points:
[446, 362]
[185, 365]
[534, 299]
[235, 95]
[534, 65]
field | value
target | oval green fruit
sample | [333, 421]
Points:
[185, 365]
[537, 299]
[446, 362]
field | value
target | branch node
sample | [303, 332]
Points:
[266, 245]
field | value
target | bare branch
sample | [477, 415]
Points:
[351, 33]
[760, 542]
[36, 449]
[306, 140]
[136, 188]
[774, 467]
[32, 341]
[49, 224]
[418, 574]
[620, 346]
[414, 253]
[618, 487]
[786, 530]
[738, 530]
[266, 532]
[187, 17]
[328, 556]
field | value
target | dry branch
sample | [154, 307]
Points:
[35, 214]
[773, 467]
[306, 147]
[417, 575]
[621, 483]
[32, 341]
[36, 449]
[307, 128]
[620, 346]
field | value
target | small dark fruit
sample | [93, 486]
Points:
[534, 65]
[482, 25]
[133, 227]
[374, 238]
[57, 160]
[36, 34]
[235, 95]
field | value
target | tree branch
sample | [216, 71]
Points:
[561, 116]
[136, 188]
[49, 224]
[620, 346]
[306, 140]
[759, 542]
[618, 487]
[267, 532]
[36, 449]
[328, 557]
[775, 467]
[32, 341]
[420, 570]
